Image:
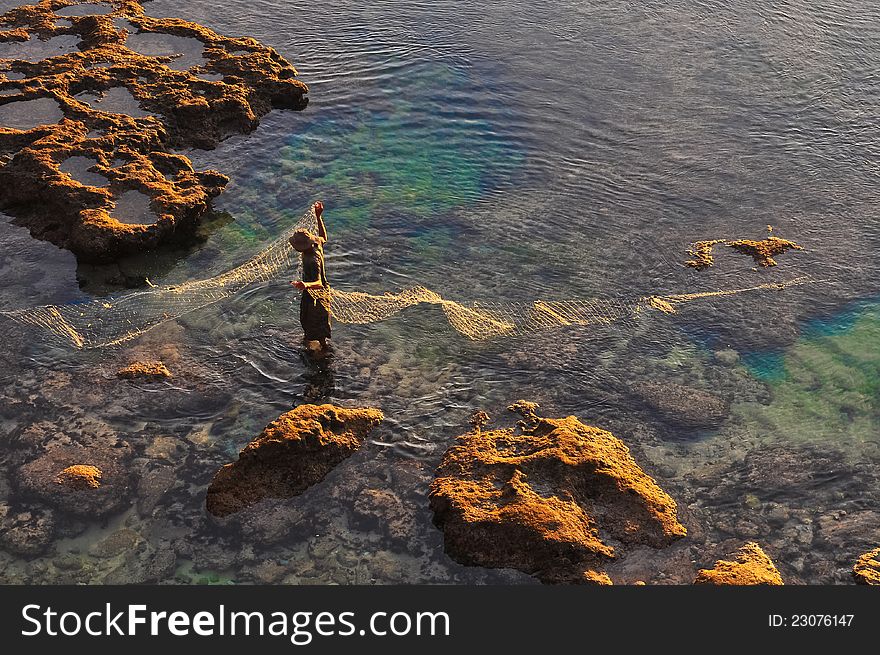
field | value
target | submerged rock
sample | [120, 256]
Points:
[123, 116]
[681, 406]
[762, 251]
[291, 454]
[26, 531]
[867, 568]
[751, 567]
[86, 474]
[145, 371]
[559, 500]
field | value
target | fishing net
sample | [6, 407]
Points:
[106, 322]
[486, 320]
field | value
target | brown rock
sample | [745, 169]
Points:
[681, 406]
[133, 152]
[84, 474]
[867, 568]
[292, 453]
[27, 532]
[751, 567]
[145, 371]
[762, 251]
[559, 501]
[383, 510]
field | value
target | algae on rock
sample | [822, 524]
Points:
[135, 149]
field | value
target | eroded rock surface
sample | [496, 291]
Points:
[85, 474]
[867, 568]
[751, 567]
[291, 454]
[121, 115]
[558, 499]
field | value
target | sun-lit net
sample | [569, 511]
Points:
[106, 322]
[485, 320]
[110, 321]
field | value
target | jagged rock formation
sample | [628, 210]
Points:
[236, 81]
[558, 500]
[867, 568]
[145, 371]
[751, 567]
[291, 454]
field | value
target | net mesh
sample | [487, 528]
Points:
[106, 322]
[486, 320]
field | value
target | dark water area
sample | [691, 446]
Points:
[510, 153]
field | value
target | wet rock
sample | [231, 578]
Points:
[116, 543]
[86, 474]
[152, 486]
[751, 567]
[867, 568]
[382, 510]
[559, 500]
[269, 572]
[166, 448]
[27, 532]
[146, 567]
[162, 110]
[762, 251]
[682, 407]
[727, 357]
[292, 453]
[151, 371]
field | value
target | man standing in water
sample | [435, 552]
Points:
[314, 313]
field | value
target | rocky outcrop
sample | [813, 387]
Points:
[554, 498]
[86, 475]
[150, 371]
[26, 531]
[867, 568]
[751, 567]
[765, 250]
[133, 149]
[762, 251]
[680, 406]
[291, 454]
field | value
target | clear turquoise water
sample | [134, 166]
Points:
[519, 152]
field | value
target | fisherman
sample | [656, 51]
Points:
[314, 312]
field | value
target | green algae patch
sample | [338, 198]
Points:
[830, 390]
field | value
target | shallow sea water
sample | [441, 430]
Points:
[515, 153]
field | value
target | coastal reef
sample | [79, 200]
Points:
[95, 110]
[291, 454]
[867, 568]
[554, 498]
[751, 567]
[762, 251]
